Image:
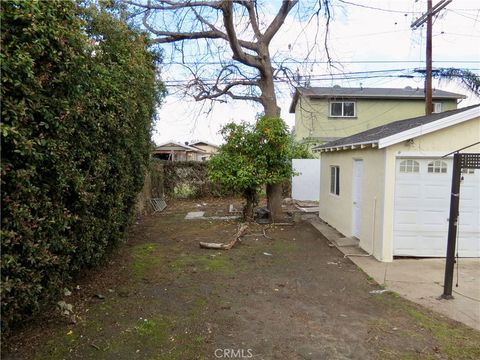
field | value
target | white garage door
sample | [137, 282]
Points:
[422, 203]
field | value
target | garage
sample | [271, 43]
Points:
[405, 185]
[421, 208]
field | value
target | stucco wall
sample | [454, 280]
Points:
[337, 210]
[312, 116]
[434, 144]
[379, 183]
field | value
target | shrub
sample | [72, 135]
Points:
[78, 96]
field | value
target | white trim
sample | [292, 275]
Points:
[331, 102]
[421, 154]
[347, 146]
[429, 127]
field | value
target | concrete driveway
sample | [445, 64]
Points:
[420, 280]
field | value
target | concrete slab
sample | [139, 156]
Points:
[346, 241]
[421, 280]
[194, 215]
[309, 209]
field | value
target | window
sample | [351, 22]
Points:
[335, 180]
[409, 166]
[342, 109]
[437, 167]
[468, 171]
[437, 107]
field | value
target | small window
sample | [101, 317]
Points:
[437, 167]
[437, 107]
[409, 166]
[342, 109]
[468, 171]
[335, 180]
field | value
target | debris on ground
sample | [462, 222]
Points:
[241, 230]
[378, 291]
[158, 204]
[262, 216]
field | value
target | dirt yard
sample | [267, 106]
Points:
[282, 293]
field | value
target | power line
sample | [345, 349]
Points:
[378, 9]
[340, 62]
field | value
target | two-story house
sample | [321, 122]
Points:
[324, 114]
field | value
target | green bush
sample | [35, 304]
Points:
[188, 179]
[79, 91]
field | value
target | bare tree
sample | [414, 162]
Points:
[240, 28]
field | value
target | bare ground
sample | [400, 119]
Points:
[282, 293]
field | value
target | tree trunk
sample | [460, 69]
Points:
[274, 198]
[269, 102]
[250, 195]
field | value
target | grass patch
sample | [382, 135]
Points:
[283, 246]
[456, 342]
[156, 331]
[218, 263]
[145, 258]
[58, 348]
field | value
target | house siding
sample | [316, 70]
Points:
[337, 210]
[379, 182]
[312, 119]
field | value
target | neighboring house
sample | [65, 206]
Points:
[390, 186]
[175, 151]
[208, 149]
[324, 114]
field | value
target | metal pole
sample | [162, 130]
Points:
[452, 227]
[428, 75]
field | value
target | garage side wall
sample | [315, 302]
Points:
[337, 210]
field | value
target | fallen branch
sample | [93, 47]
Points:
[228, 246]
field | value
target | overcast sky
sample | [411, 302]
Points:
[365, 36]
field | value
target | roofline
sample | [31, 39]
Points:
[430, 127]
[187, 147]
[417, 131]
[204, 142]
[352, 146]
[296, 96]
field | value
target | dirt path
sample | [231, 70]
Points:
[288, 296]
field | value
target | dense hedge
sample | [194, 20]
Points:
[184, 179]
[78, 96]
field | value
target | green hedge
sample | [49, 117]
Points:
[184, 179]
[78, 97]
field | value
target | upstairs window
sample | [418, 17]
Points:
[334, 180]
[342, 109]
[409, 166]
[437, 167]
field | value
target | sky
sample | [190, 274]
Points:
[364, 36]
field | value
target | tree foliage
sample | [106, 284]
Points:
[252, 156]
[79, 91]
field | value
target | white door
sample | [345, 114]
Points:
[422, 204]
[357, 197]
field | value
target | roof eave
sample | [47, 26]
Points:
[342, 147]
[429, 127]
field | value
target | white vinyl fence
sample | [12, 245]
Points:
[306, 185]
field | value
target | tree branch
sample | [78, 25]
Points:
[174, 5]
[238, 53]
[249, 5]
[272, 29]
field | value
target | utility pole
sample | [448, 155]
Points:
[427, 17]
